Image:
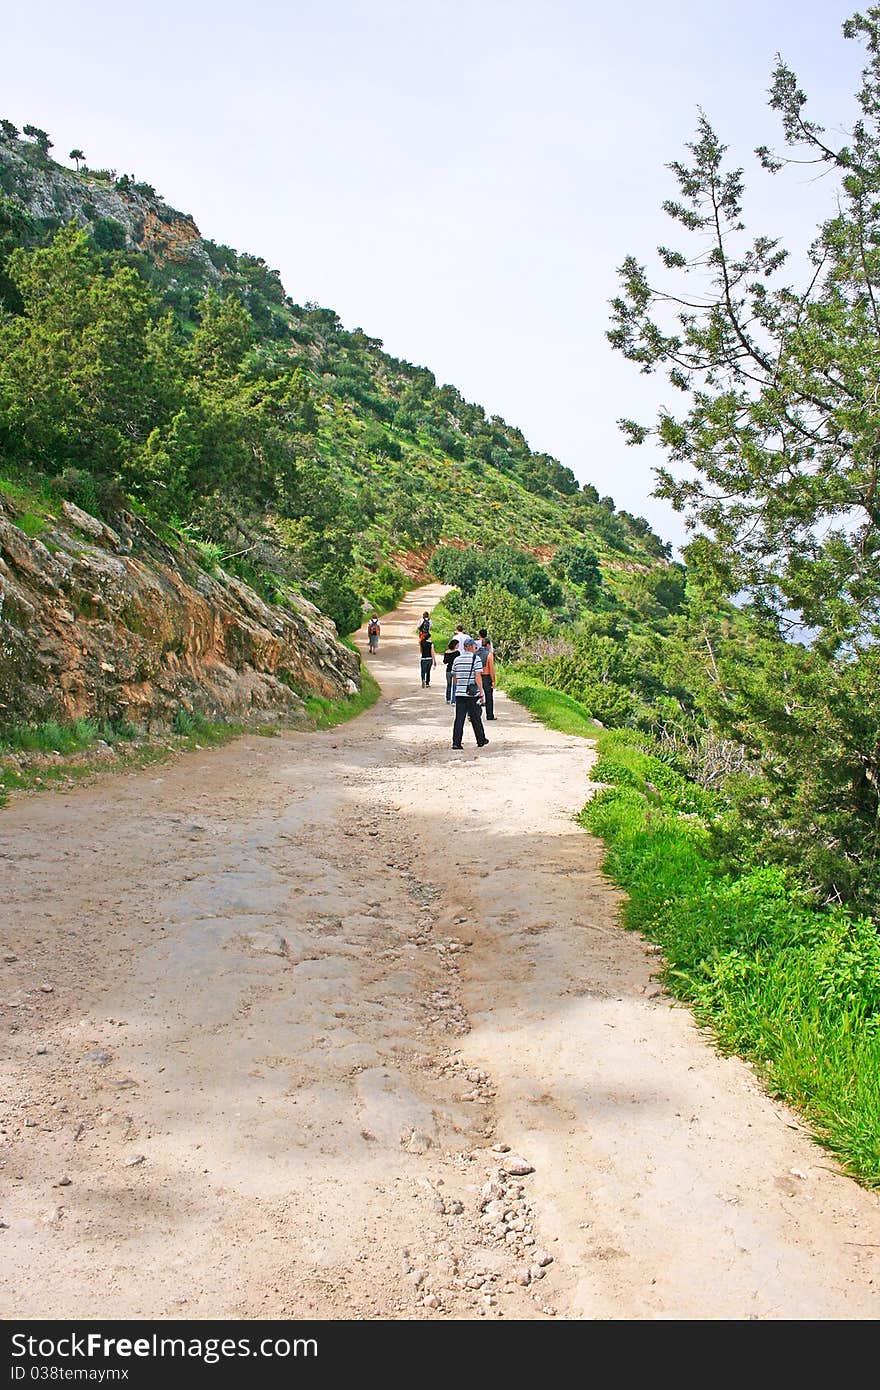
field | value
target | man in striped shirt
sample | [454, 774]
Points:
[467, 675]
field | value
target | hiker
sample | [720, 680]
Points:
[424, 627]
[448, 657]
[486, 653]
[467, 673]
[428, 658]
[374, 627]
[462, 637]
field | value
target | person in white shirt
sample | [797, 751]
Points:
[467, 674]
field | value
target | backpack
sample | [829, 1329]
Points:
[373, 629]
[424, 628]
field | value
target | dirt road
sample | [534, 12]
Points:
[269, 1009]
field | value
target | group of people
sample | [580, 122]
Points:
[470, 673]
[470, 677]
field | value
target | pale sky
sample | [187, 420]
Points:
[460, 180]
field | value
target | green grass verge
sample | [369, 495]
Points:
[794, 989]
[27, 750]
[554, 709]
[326, 714]
[442, 626]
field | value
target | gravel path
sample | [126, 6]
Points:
[341, 1024]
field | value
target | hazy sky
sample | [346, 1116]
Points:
[458, 179]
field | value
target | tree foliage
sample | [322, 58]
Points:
[505, 566]
[775, 459]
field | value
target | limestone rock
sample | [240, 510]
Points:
[100, 621]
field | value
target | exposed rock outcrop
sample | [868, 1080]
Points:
[59, 196]
[100, 621]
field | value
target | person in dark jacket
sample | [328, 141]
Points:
[448, 657]
[486, 653]
[428, 658]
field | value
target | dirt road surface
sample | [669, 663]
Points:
[273, 1011]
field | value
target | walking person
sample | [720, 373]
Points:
[424, 627]
[428, 658]
[374, 627]
[467, 672]
[448, 657]
[486, 653]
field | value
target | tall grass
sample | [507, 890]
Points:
[53, 737]
[794, 989]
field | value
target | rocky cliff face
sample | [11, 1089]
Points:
[103, 622]
[60, 196]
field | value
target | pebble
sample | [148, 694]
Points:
[99, 1055]
[419, 1142]
[41, 1051]
[432, 1301]
[501, 1148]
[523, 1276]
[543, 1258]
[518, 1167]
[63, 1182]
[537, 1272]
[134, 1160]
[9, 958]
[47, 989]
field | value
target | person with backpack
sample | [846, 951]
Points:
[486, 653]
[467, 672]
[428, 658]
[374, 627]
[448, 657]
[424, 627]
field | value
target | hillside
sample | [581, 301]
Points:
[251, 423]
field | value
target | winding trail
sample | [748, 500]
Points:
[296, 988]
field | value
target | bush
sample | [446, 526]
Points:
[505, 566]
[108, 234]
[510, 621]
[339, 601]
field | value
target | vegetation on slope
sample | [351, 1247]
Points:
[178, 373]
